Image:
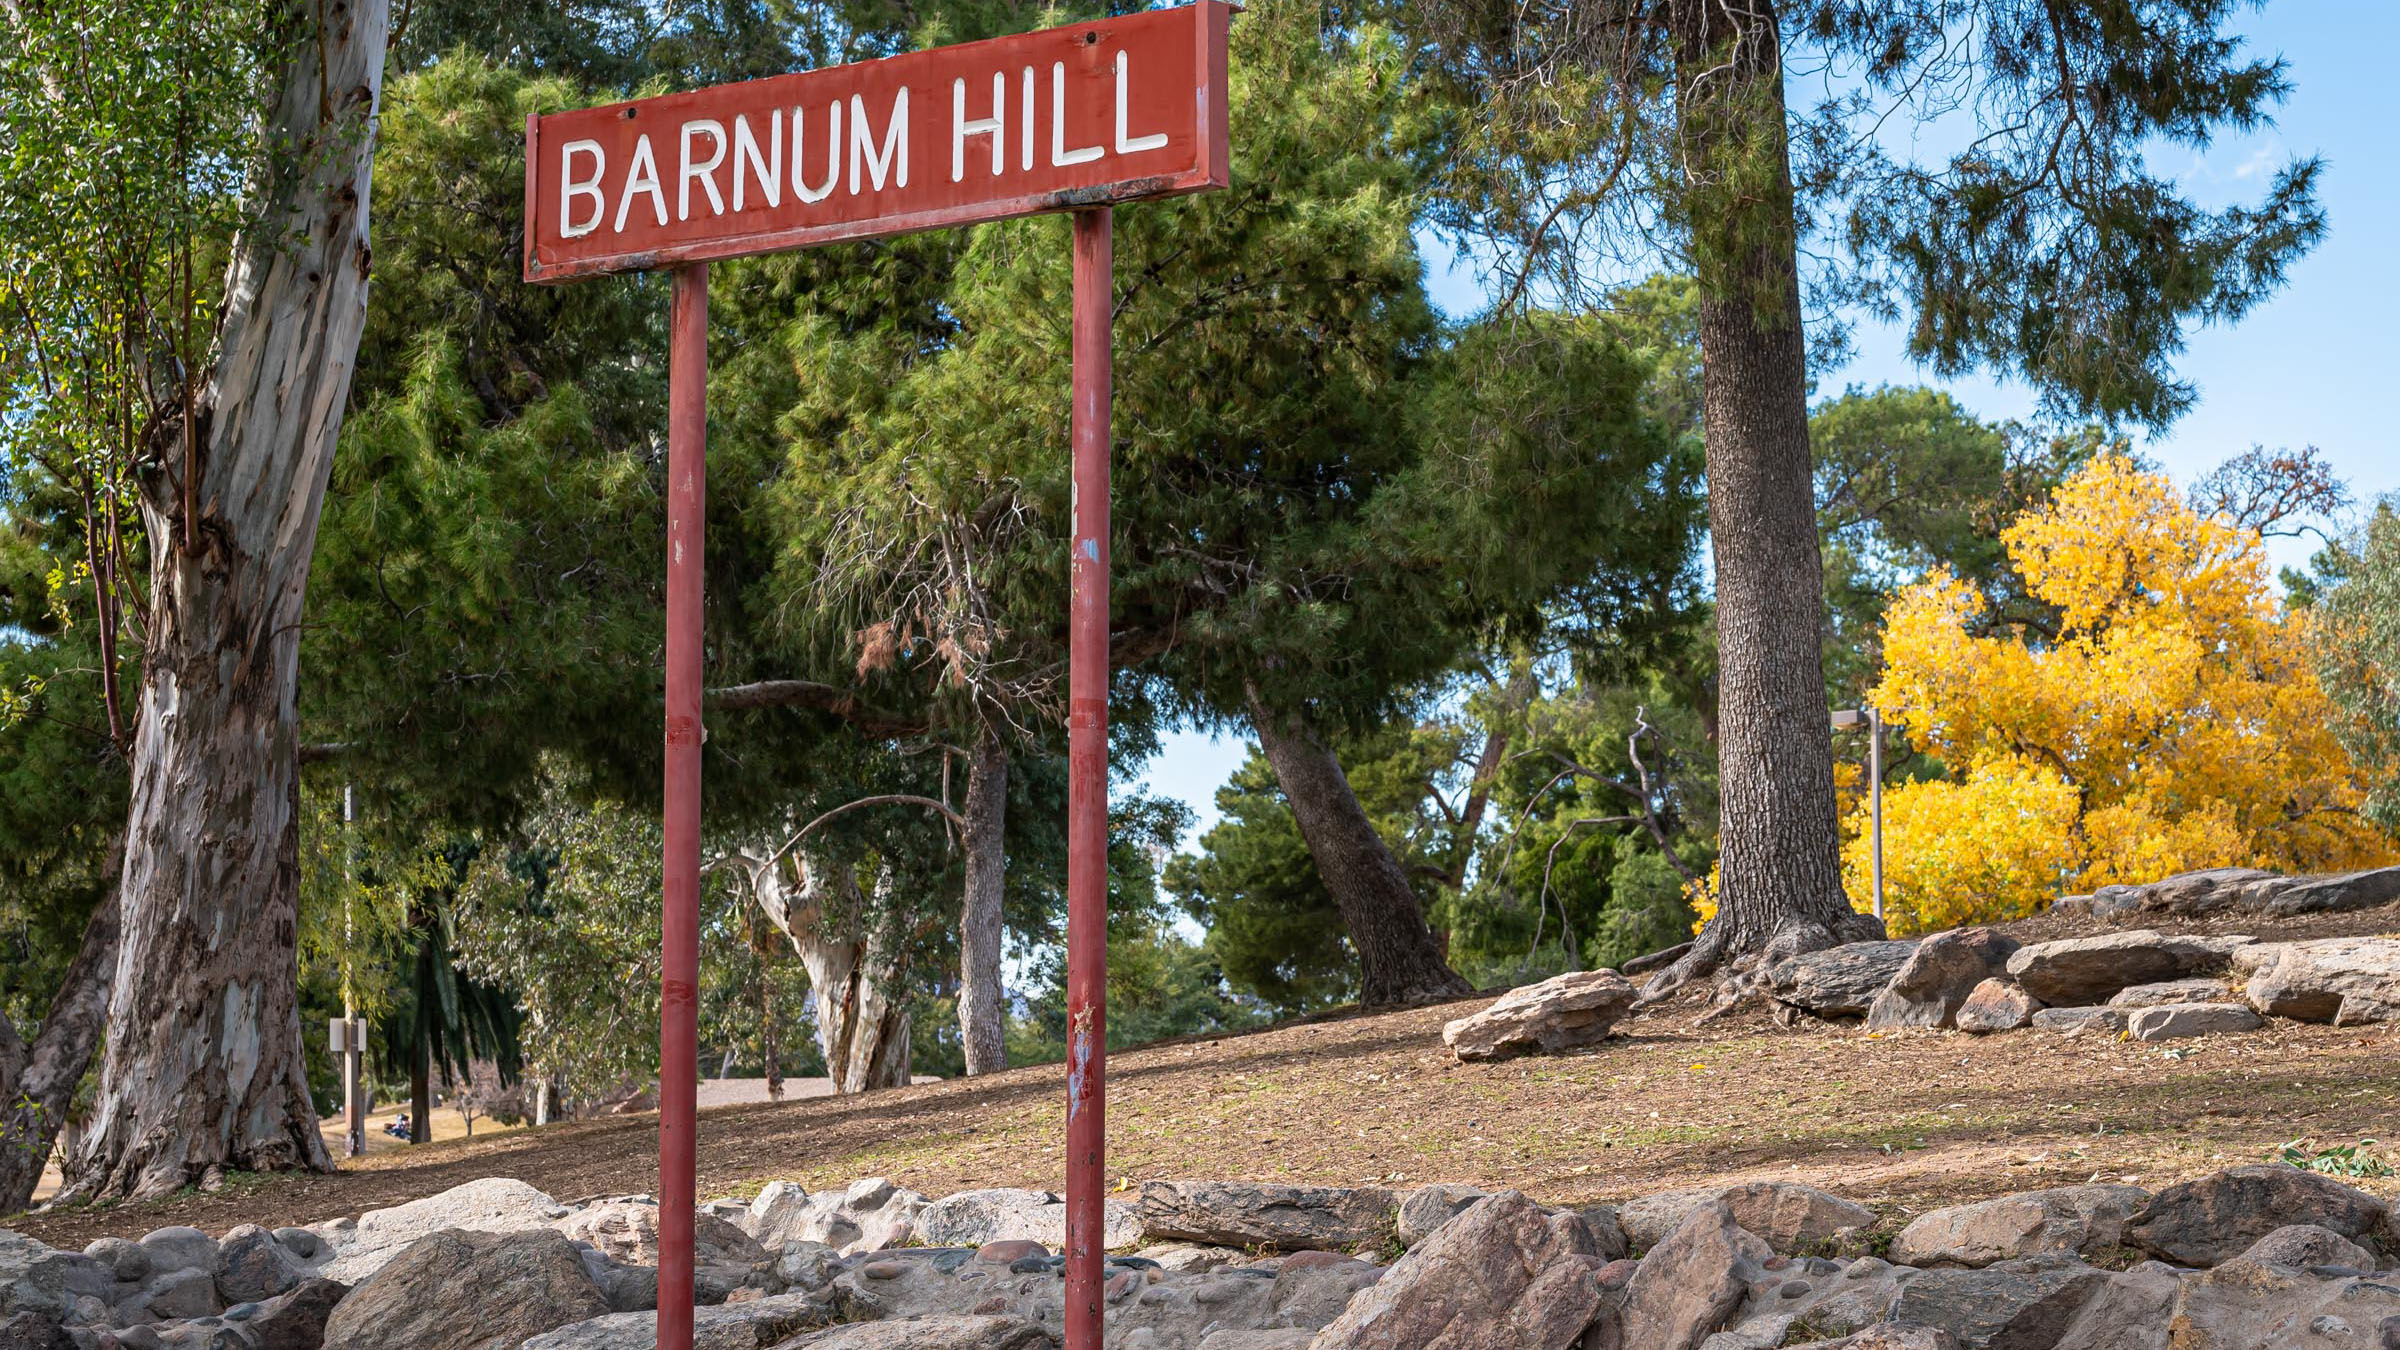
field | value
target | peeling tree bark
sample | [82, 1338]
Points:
[204, 1070]
[981, 1018]
[1399, 960]
[38, 1081]
[853, 976]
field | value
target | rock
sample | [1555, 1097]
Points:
[972, 1218]
[868, 1215]
[931, 1333]
[1788, 1216]
[252, 1266]
[2345, 981]
[303, 1243]
[2128, 1311]
[1257, 1340]
[1608, 1232]
[1997, 1004]
[455, 1290]
[1692, 1282]
[127, 1259]
[2215, 890]
[2173, 1021]
[1889, 1336]
[1185, 1258]
[1561, 1013]
[805, 1265]
[1309, 1293]
[180, 1248]
[2197, 989]
[30, 1330]
[1936, 980]
[2075, 971]
[2338, 893]
[486, 1205]
[2213, 1219]
[1838, 981]
[294, 1319]
[2063, 1221]
[1503, 1275]
[54, 1284]
[625, 1233]
[2076, 1021]
[2305, 1246]
[2244, 1305]
[1264, 1214]
[173, 1295]
[2015, 1305]
[1429, 1207]
[734, 1326]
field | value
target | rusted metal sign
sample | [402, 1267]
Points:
[1086, 115]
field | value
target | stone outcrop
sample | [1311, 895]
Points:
[932, 1333]
[2198, 989]
[867, 1215]
[1561, 1013]
[2345, 981]
[1692, 1282]
[2067, 1220]
[2077, 1021]
[1997, 1004]
[2240, 890]
[360, 1247]
[1262, 1214]
[747, 1325]
[2213, 1219]
[2174, 1021]
[1789, 1217]
[455, 1290]
[1936, 980]
[1838, 981]
[2072, 972]
[1501, 1276]
[973, 1218]
[2023, 1303]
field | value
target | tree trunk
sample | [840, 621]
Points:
[37, 1082]
[420, 1088]
[853, 971]
[981, 1019]
[1781, 882]
[1399, 960]
[204, 1070]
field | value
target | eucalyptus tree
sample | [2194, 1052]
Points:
[1627, 133]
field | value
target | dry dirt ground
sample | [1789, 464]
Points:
[1899, 1121]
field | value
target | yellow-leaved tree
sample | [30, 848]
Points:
[2172, 721]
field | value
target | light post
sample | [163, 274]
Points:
[1846, 719]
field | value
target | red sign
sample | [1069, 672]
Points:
[1088, 114]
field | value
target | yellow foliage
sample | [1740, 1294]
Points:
[2174, 722]
[1703, 898]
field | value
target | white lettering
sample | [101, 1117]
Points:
[833, 153]
[862, 142]
[1025, 141]
[1156, 140]
[749, 162]
[961, 128]
[569, 188]
[715, 131]
[1060, 155]
[641, 176]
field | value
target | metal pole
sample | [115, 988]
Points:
[679, 945]
[354, 1097]
[1875, 797]
[1087, 784]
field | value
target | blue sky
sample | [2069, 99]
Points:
[2313, 366]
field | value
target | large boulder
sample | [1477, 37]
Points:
[733, 1326]
[624, 1233]
[973, 1218]
[292, 1320]
[30, 1330]
[2064, 1221]
[2075, 971]
[2338, 893]
[2245, 890]
[2197, 989]
[2014, 1305]
[1264, 1214]
[931, 1333]
[455, 1290]
[2127, 1311]
[487, 1205]
[2103, 1020]
[2213, 1219]
[2340, 980]
[2174, 1021]
[866, 1216]
[253, 1265]
[1997, 1004]
[1502, 1276]
[1691, 1284]
[1789, 1217]
[2242, 1305]
[65, 1287]
[1561, 1013]
[1838, 981]
[1936, 980]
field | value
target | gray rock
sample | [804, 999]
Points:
[1312, 1288]
[30, 1330]
[2305, 1246]
[1263, 1214]
[805, 1265]
[868, 1215]
[304, 1243]
[1889, 1336]
[2345, 981]
[2245, 1304]
[1429, 1207]
[1789, 1217]
[2215, 890]
[1692, 1283]
[2340, 892]
[1561, 1013]
[173, 1295]
[2076, 971]
[456, 1290]
[1257, 1340]
[2076, 1021]
[2213, 1219]
[1997, 1004]
[486, 1205]
[2128, 1311]
[252, 1266]
[931, 1333]
[733, 1326]
[124, 1258]
[2174, 1021]
[180, 1248]
[2198, 989]
[1936, 980]
[1838, 981]
[2015, 1305]
[624, 1232]
[294, 1319]
[2063, 1221]
[972, 1218]
[1503, 1275]
[1189, 1258]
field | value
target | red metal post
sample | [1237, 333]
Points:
[1087, 785]
[679, 945]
